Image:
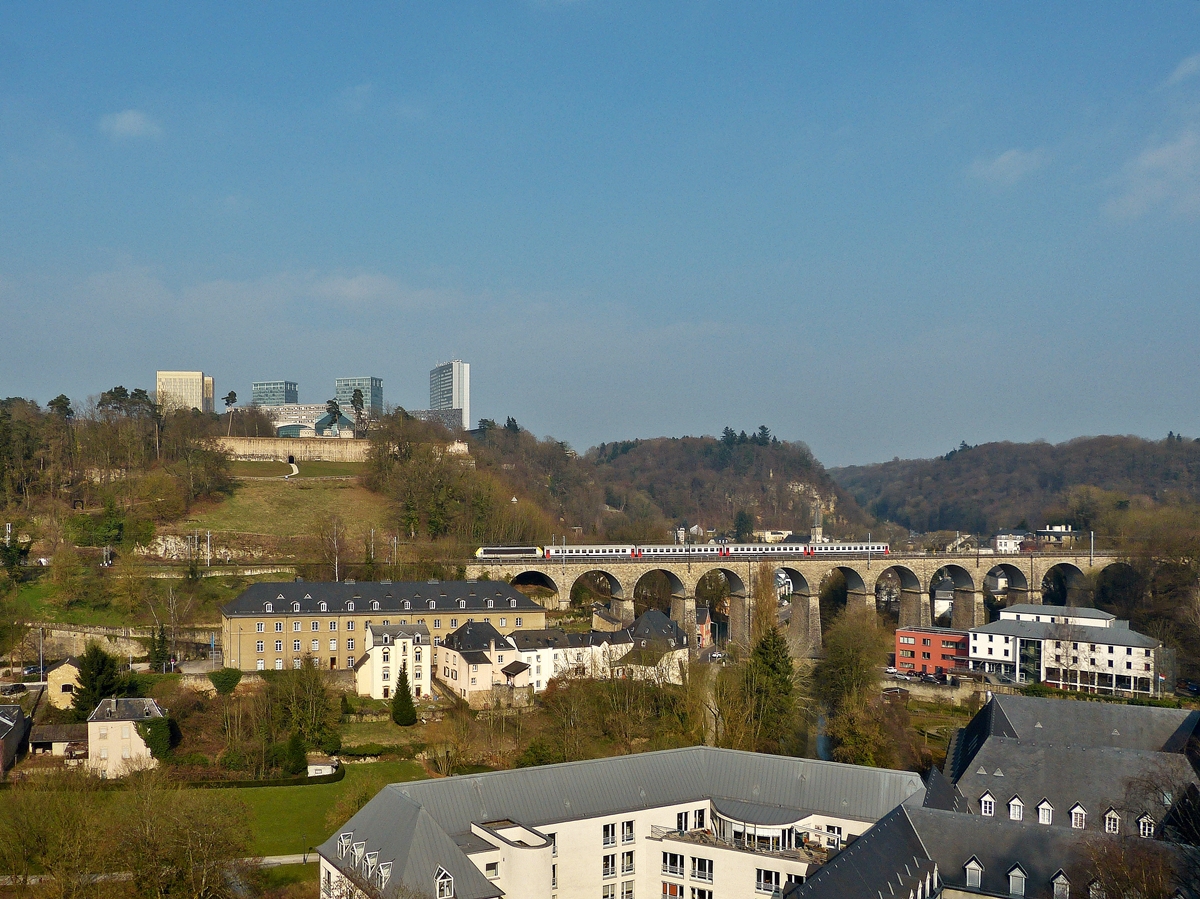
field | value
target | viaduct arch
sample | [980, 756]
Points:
[1027, 578]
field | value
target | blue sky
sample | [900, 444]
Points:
[877, 228]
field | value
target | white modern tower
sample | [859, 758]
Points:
[450, 388]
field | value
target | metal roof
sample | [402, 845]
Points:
[1028, 608]
[1044, 630]
[1072, 721]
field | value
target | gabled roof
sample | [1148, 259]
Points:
[125, 710]
[11, 716]
[475, 636]
[70, 661]
[653, 625]
[533, 640]
[1094, 723]
[400, 631]
[512, 669]
[58, 733]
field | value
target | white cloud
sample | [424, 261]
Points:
[131, 123]
[1185, 70]
[1164, 175]
[1009, 167]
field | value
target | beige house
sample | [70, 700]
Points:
[62, 680]
[476, 661]
[391, 649]
[115, 747]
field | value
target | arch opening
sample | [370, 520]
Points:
[949, 583]
[595, 586]
[734, 583]
[838, 586]
[654, 590]
[1064, 584]
[1004, 585]
[537, 585]
[898, 596]
[1119, 590]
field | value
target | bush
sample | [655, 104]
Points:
[293, 759]
[161, 736]
[234, 760]
[225, 680]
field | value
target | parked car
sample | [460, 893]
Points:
[891, 669]
[12, 689]
[716, 656]
[929, 679]
[31, 669]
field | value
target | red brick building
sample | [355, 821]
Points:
[931, 650]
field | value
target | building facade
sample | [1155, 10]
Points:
[931, 650]
[450, 388]
[273, 626]
[62, 680]
[274, 393]
[390, 649]
[184, 390]
[1072, 649]
[115, 748]
[12, 734]
[372, 391]
[693, 823]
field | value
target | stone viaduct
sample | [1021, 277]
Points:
[1026, 575]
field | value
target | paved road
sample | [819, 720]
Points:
[270, 861]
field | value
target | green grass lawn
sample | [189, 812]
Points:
[259, 469]
[355, 733]
[286, 820]
[39, 598]
[330, 469]
[286, 875]
[292, 509]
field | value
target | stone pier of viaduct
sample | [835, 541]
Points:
[1026, 574]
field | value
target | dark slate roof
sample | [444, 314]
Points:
[701, 615]
[1094, 723]
[69, 660]
[390, 596]
[888, 860]
[59, 733]
[757, 812]
[126, 710]
[475, 636]
[1044, 630]
[512, 669]
[402, 631]
[10, 716]
[542, 796]
[654, 626]
[532, 640]
[941, 793]
[475, 657]
[598, 638]
[1098, 778]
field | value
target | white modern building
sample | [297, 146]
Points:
[1007, 542]
[388, 650]
[184, 390]
[450, 388]
[693, 823]
[1073, 649]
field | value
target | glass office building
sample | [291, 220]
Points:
[274, 393]
[372, 391]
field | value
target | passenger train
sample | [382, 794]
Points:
[624, 551]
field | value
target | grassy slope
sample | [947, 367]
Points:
[331, 469]
[259, 469]
[286, 820]
[292, 509]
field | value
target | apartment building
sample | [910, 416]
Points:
[184, 390]
[115, 748]
[278, 625]
[450, 389]
[388, 650]
[1072, 649]
[694, 823]
[931, 650]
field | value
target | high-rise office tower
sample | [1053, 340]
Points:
[274, 393]
[450, 388]
[184, 390]
[372, 391]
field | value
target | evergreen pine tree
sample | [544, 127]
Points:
[99, 678]
[770, 688]
[404, 712]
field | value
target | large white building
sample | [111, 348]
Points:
[1072, 649]
[450, 388]
[184, 390]
[693, 823]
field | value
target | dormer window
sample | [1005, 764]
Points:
[1016, 809]
[1045, 812]
[974, 872]
[407, 605]
[512, 603]
[1016, 881]
[385, 874]
[324, 606]
[350, 606]
[489, 604]
[1062, 886]
[387, 638]
[462, 603]
[433, 603]
[1112, 821]
[443, 884]
[1078, 817]
[1146, 827]
[268, 608]
[987, 804]
[308, 596]
[343, 844]
[369, 863]
[417, 639]
[357, 851]
[295, 607]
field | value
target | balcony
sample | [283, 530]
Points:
[812, 853]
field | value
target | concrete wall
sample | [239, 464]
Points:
[302, 449]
